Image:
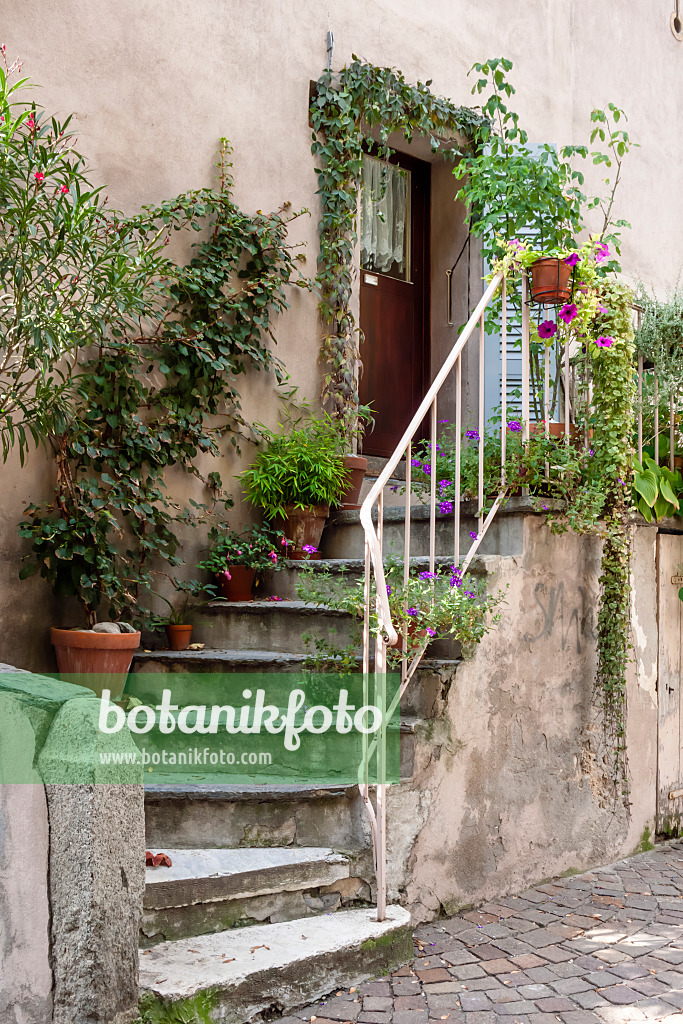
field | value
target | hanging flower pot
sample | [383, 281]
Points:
[178, 636]
[550, 281]
[303, 528]
[238, 585]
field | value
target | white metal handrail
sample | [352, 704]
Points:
[386, 632]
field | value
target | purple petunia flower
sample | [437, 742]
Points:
[515, 426]
[515, 243]
[388, 589]
[446, 507]
[309, 549]
[619, 480]
[416, 463]
[431, 632]
[604, 341]
[545, 508]
[568, 312]
[547, 329]
[428, 575]
[602, 252]
[591, 452]
[442, 421]
[472, 435]
[468, 593]
[473, 535]
[412, 611]
[443, 484]
[572, 259]
[602, 309]
[456, 581]
[426, 468]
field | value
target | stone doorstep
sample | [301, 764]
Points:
[203, 876]
[243, 972]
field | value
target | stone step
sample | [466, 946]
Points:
[214, 889]
[271, 969]
[283, 583]
[430, 684]
[206, 815]
[344, 536]
[271, 625]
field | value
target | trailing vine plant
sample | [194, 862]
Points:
[160, 391]
[352, 111]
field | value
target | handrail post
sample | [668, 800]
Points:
[525, 356]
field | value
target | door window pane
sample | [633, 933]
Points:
[385, 218]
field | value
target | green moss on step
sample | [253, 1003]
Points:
[196, 1010]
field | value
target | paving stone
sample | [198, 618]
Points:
[437, 974]
[541, 974]
[456, 958]
[482, 1017]
[370, 1018]
[568, 986]
[630, 971]
[489, 952]
[410, 1017]
[676, 998]
[445, 1003]
[580, 1017]
[648, 986]
[620, 994]
[375, 988]
[554, 1004]
[589, 999]
[405, 987]
[466, 971]
[568, 969]
[526, 960]
[534, 991]
[497, 966]
[514, 1009]
[382, 1003]
[441, 988]
[475, 1001]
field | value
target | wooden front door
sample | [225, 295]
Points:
[669, 679]
[394, 304]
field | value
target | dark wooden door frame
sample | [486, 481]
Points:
[421, 278]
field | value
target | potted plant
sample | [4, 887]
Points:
[355, 464]
[296, 476]
[178, 630]
[236, 560]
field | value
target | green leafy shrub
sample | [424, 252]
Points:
[302, 466]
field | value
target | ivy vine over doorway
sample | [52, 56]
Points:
[345, 108]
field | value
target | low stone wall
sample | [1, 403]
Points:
[71, 859]
[511, 781]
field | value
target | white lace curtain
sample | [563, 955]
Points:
[383, 215]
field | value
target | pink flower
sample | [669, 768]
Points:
[64, 189]
[572, 259]
[272, 556]
[547, 329]
[604, 341]
[274, 597]
[30, 123]
[227, 574]
[309, 549]
[602, 309]
[568, 312]
[39, 176]
[284, 542]
[602, 252]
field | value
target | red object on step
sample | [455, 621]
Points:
[157, 860]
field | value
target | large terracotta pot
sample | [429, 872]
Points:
[357, 467]
[303, 527]
[550, 281]
[178, 636]
[239, 586]
[99, 661]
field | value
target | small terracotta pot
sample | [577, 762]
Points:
[304, 527]
[550, 281]
[178, 636]
[414, 633]
[240, 584]
[357, 467]
[99, 661]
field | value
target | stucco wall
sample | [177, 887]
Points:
[153, 85]
[511, 783]
[25, 974]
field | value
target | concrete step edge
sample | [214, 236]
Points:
[238, 974]
[211, 875]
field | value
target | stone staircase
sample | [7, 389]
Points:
[268, 904]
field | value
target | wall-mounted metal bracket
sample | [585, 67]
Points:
[677, 23]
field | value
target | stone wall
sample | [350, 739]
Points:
[71, 859]
[511, 778]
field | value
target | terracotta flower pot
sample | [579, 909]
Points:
[303, 527]
[178, 636]
[357, 467]
[550, 281]
[240, 584]
[99, 661]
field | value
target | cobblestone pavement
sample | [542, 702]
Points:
[604, 947]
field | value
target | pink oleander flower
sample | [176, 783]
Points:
[547, 329]
[30, 123]
[64, 189]
[39, 176]
[604, 341]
